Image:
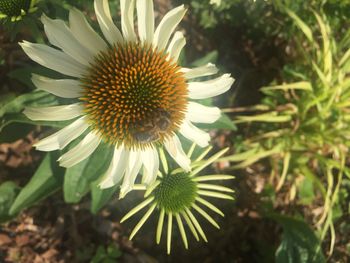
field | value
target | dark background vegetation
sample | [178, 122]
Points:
[253, 41]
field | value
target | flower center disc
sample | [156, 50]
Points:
[175, 193]
[135, 95]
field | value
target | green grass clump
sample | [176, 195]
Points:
[303, 126]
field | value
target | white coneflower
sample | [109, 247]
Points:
[128, 89]
[15, 9]
[179, 195]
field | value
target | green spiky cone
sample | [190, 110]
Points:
[14, 8]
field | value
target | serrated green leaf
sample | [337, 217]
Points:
[299, 243]
[47, 179]
[8, 193]
[77, 179]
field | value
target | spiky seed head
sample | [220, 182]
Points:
[135, 95]
[175, 193]
[13, 8]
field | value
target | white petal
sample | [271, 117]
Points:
[145, 15]
[127, 11]
[132, 170]
[116, 168]
[150, 161]
[84, 33]
[80, 152]
[104, 18]
[62, 138]
[174, 148]
[207, 70]
[65, 88]
[210, 88]
[60, 36]
[167, 27]
[176, 45]
[199, 113]
[194, 134]
[53, 59]
[54, 113]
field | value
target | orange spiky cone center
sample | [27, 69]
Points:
[134, 95]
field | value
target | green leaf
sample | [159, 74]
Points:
[12, 107]
[17, 104]
[100, 197]
[211, 57]
[100, 255]
[224, 123]
[24, 74]
[113, 251]
[300, 23]
[47, 179]
[6, 98]
[78, 178]
[14, 132]
[301, 85]
[306, 191]
[21, 118]
[299, 243]
[8, 193]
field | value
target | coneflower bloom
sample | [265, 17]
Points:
[179, 195]
[15, 9]
[125, 88]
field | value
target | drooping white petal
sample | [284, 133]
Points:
[207, 70]
[150, 161]
[199, 113]
[84, 33]
[116, 168]
[174, 148]
[176, 45]
[145, 15]
[80, 152]
[63, 137]
[132, 169]
[210, 88]
[54, 113]
[60, 36]
[194, 134]
[167, 26]
[53, 59]
[104, 18]
[127, 11]
[65, 88]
